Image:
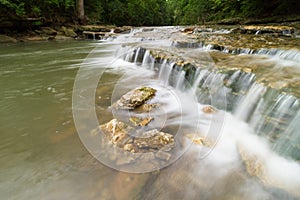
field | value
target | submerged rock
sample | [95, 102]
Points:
[199, 140]
[257, 167]
[135, 98]
[137, 121]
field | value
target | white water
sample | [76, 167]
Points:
[204, 168]
[218, 172]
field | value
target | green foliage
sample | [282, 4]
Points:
[252, 8]
[199, 11]
[148, 12]
[93, 10]
[196, 11]
[13, 6]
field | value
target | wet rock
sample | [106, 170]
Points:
[51, 38]
[135, 98]
[116, 132]
[145, 108]
[257, 167]
[209, 109]
[186, 44]
[274, 30]
[68, 32]
[148, 29]
[34, 38]
[128, 185]
[47, 31]
[154, 140]
[7, 39]
[188, 30]
[199, 140]
[163, 155]
[137, 121]
[150, 141]
[95, 28]
[123, 30]
[93, 35]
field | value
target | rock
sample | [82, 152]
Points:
[199, 140]
[188, 30]
[51, 38]
[209, 109]
[47, 31]
[148, 29]
[163, 155]
[274, 30]
[186, 44]
[117, 132]
[150, 141]
[7, 39]
[123, 30]
[94, 28]
[145, 108]
[256, 166]
[128, 185]
[137, 121]
[135, 98]
[63, 37]
[68, 32]
[154, 140]
[34, 38]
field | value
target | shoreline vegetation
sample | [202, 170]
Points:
[96, 32]
[22, 20]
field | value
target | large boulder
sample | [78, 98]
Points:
[135, 98]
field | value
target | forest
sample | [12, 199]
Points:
[142, 12]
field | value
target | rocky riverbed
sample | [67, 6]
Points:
[94, 32]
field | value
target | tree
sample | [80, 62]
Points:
[80, 10]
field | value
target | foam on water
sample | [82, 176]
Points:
[237, 151]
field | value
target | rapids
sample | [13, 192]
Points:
[253, 148]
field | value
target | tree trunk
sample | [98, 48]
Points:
[80, 10]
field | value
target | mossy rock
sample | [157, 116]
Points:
[135, 98]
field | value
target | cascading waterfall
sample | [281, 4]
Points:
[291, 54]
[248, 100]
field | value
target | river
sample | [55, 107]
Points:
[54, 94]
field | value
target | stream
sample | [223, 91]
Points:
[55, 94]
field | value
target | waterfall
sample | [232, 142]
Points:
[270, 113]
[165, 72]
[249, 102]
[291, 54]
[147, 60]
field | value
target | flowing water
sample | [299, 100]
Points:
[255, 134]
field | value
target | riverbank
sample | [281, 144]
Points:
[28, 33]
[76, 32]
